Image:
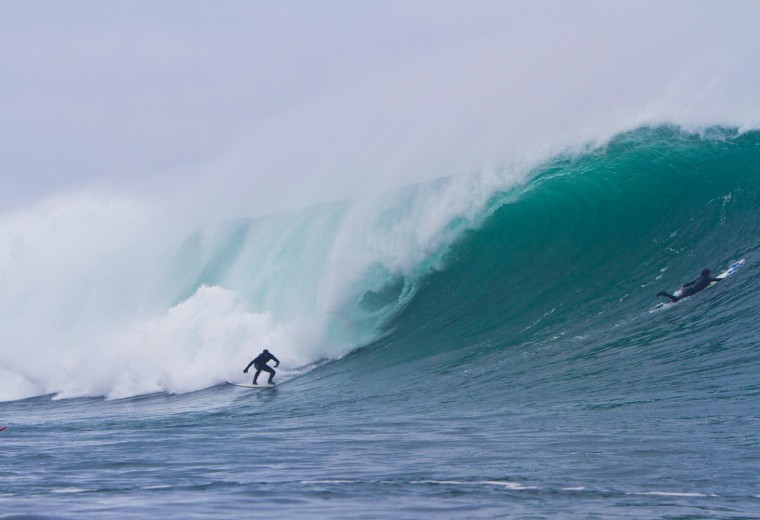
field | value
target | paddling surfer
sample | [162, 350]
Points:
[694, 287]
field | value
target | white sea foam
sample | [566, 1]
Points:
[68, 490]
[671, 494]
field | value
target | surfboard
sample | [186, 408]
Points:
[3, 428]
[251, 385]
[725, 274]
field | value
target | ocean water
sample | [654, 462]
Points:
[484, 346]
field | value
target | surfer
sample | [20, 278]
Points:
[693, 287]
[260, 363]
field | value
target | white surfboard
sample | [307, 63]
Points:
[251, 385]
[725, 274]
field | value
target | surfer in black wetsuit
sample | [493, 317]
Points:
[693, 287]
[260, 363]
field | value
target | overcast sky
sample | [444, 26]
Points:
[282, 103]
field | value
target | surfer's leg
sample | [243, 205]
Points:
[258, 371]
[668, 296]
[271, 372]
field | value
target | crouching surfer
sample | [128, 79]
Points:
[260, 363]
[694, 287]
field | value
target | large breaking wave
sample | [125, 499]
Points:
[107, 296]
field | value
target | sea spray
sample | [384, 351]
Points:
[116, 304]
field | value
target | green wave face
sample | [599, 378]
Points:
[558, 283]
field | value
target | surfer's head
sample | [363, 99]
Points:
[266, 351]
[706, 272]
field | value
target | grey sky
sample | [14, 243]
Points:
[286, 103]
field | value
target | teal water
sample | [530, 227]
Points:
[516, 371]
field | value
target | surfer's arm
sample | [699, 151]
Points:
[716, 279]
[275, 360]
[689, 283]
[245, 370]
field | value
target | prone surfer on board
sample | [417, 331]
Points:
[693, 287]
[260, 363]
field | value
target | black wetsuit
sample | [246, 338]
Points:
[693, 287]
[260, 363]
